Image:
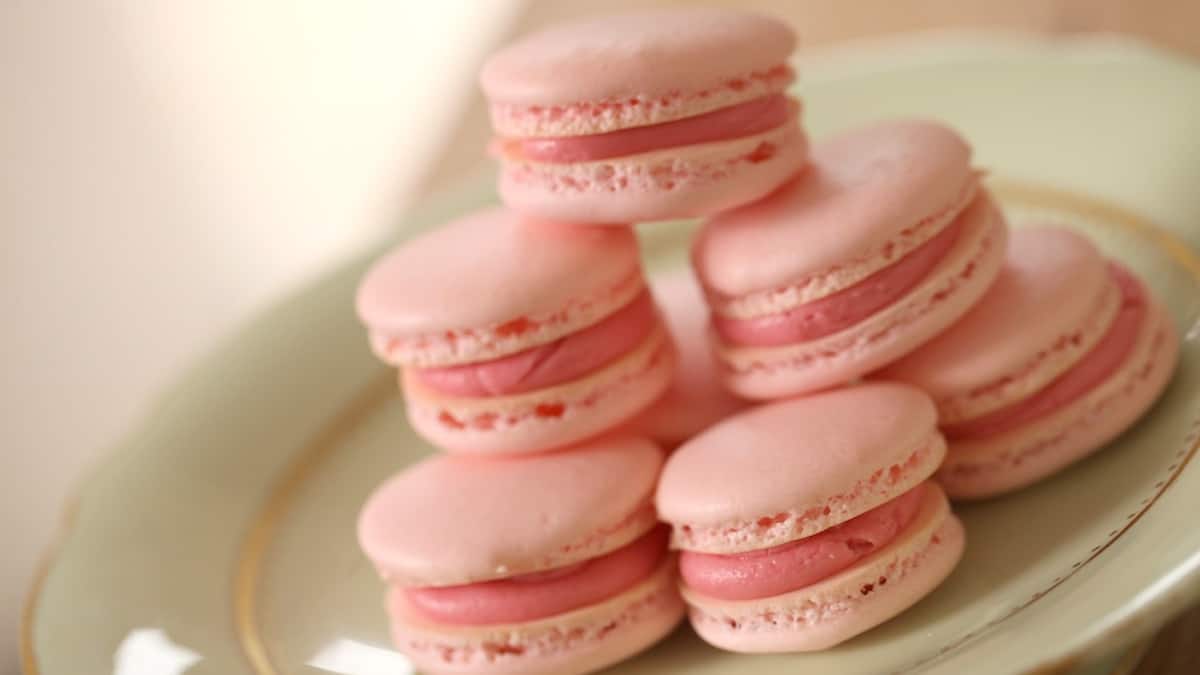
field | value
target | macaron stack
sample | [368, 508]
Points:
[806, 495]
[532, 351]
[806, 521]
[532, 546]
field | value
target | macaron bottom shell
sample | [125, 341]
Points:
[580, 641]
[545, 418]
[832, 611]
[1000, 463]
[951, 288]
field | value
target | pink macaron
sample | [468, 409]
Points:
[645, 116]
[548, 563]
[1064, 352]
[808, 521]
[517, 336]
[885, 241]
[696, 399]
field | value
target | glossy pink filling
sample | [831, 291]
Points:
[844, 308]
[536, 596]
[744, 119]
[782, 569]
[560, 361]
[1095, 367]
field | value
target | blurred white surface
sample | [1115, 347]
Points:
[166, 169]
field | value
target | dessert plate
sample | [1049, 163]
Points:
[219, 537]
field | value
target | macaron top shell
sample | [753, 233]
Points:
[1053, 284]
[494, 269]
[647, 55]
[455, 519]
[860, 199]
[794, 455]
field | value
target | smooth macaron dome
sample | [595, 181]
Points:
[542, 563]
[645, 116]
[515, 335]
[807, 521]
[696, 398]
[1064, 352]
[884, 241]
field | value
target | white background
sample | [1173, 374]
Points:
[166, 168]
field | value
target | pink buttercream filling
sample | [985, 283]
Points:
[737, 121]
[560, 361]
[1095, 367]
[844, 308]
[801, 563]
[535, 596]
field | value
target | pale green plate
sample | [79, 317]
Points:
[219, 538]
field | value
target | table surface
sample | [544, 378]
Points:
[1167, 23]
[1176, 650]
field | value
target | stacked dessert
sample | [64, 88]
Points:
[534, 352]
[808, 520]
